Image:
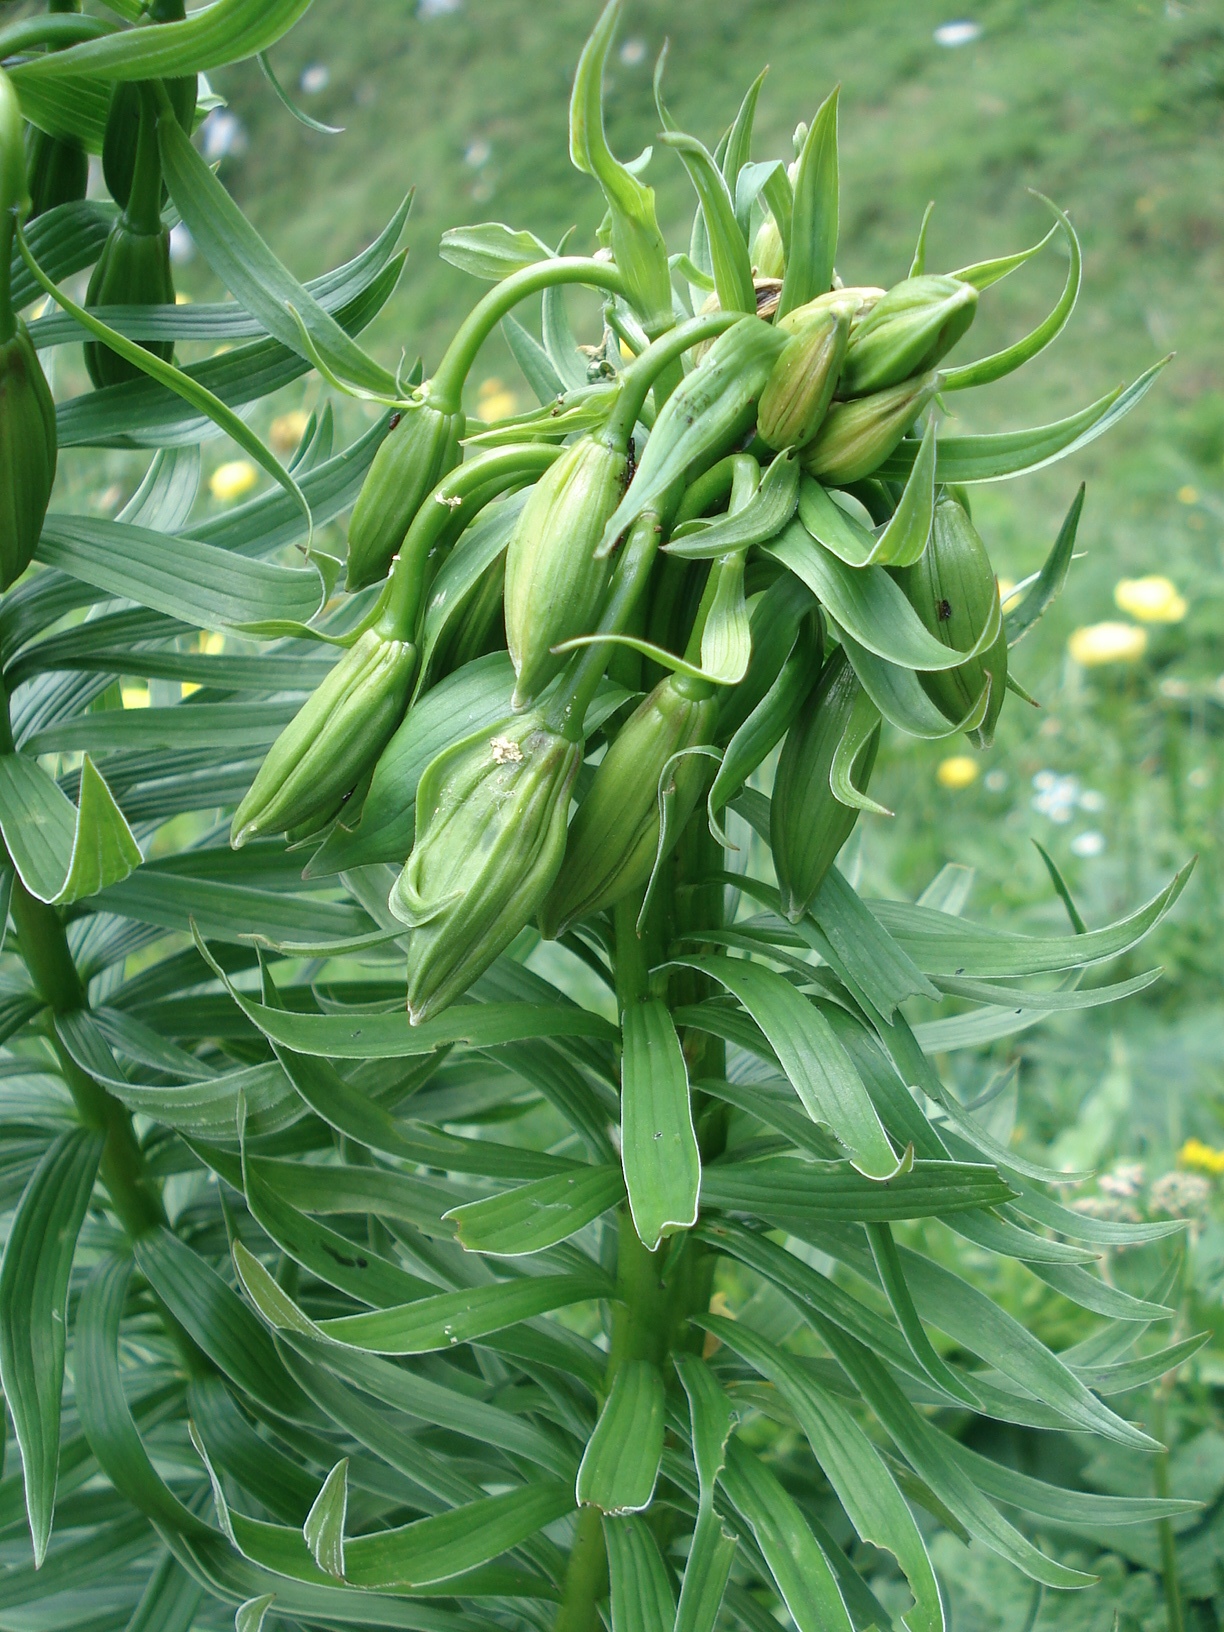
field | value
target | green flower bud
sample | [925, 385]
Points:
[800, 389]
[954, 591]
[335, 736]
[858, 436]
[907, 332]
[57, 168]
[768, 254]
[27, 453]
[421, 447]
[614, 837]
[490, 823]
[808, 825]
[132, 270]
[556, 578]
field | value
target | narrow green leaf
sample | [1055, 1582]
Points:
[875, 962]
[1048, 584]
[227, 31]
[726, 644]
[538, 1215]
[62, 854]
[324, 1526]
[203, 586]
[728, 247]
[250, 1616]
[862, 725]
[988, 369]
[621, 1463]
[817, 1066]
[658, 1144]
[766, 513]
[852, 1465]
[812, 246]
[904, 540]
[491, 250]
[998, 455]
[781, 1187]
[642, 1596]
[870, 605]
[1051, 1502]
[249, 269]
[800, 1569]
[833, 525]
[34, 1312]
[891, 1271]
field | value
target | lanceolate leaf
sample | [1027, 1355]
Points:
[621, 1462]
[537, 1215]
[642, 1597]
[63, 854]
[658, 1145]
[34, 1312]
[226, 31]
[812, 246]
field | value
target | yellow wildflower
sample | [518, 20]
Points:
[1152, 600]
[287, 430]
[960, 771]
[1099, 643]
[1206, 1158]
[1188, 495]
[233, 479]
[495, 400]
[1007, 592]
[135, 695]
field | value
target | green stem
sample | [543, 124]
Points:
[143, 212]
[586, 1576]
[446, 387]
[56, 32]
[1164, 1527]
[8, 317]
[640, 375]
[479, 481]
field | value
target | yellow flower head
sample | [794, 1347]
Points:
[1151, 600]
[958, 772]
[1206, 1158]
[287, 430]
[495, 400]
[1099, 643]
[233, 479]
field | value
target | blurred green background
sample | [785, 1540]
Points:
[1114, 109]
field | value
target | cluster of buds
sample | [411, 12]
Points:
[787, 564]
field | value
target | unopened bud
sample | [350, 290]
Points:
[954, 591]
[907, 332]
[57, 168]
[132, 270]
[335, 736]
[808, 824]
[797, 397]
[27, 453]
[556, 577]
[768, 253]
[490, 825]
[614, 837]
[414, 456]
[858, 436]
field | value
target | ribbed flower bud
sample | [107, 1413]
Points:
[858, 436]
[122, 136]
[132, 270]
[808, 825]
[490, 825]
[907, 332]
[414, 456]
[335, 736]
[555, 577]
[768, 252]
[954, 591]
[27, 453]
[57, 168]
[797, 397]
[614, 836]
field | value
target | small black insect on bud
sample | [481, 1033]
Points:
[394, 421]
[945, 611]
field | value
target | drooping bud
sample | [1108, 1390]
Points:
[797, 397]
[121, 139]
[490, 826]
[414, 456]
[907, 332]
[954, 591]
[27, 453]
[614, 837]
[556, 578]
[58, 170]
[132, 270]
[858, 436]
[335, 736]
[808, 825]
[134, 266]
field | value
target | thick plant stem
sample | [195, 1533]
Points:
[586, 1576]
